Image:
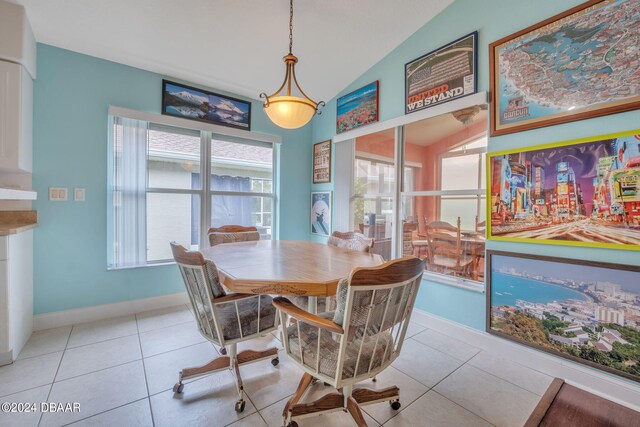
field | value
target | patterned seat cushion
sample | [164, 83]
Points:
[351, 244]
[323, 304]
[247, 312]
[214, 280]
[217, 238]
[378, 348]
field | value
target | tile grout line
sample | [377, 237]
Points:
[469, 411]
[144, 371]
[103, 412]
[56, 374]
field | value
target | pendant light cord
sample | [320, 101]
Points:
[290, 26]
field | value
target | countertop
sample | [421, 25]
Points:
[12, 222]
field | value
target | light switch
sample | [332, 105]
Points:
[58, 194]
[78, 194]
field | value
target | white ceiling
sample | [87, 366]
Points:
[235, 45]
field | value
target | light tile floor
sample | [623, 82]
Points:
[121, 372]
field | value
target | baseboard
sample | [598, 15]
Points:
[607, 386]
[106, 311]
[6, 358]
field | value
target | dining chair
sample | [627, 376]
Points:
[481, 226]
[351, 240]
[223, 319]
[444, 248]
[232, 234]
[362, 338]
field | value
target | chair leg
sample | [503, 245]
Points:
[304, 384]
[356, 413]
[217, 364]
[233, 350]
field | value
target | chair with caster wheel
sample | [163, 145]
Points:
[231, 234]
[364, 337]
[224, 319]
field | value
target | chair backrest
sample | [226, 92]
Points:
[444, 239]
[197, 280]
[378, 307]
[223, 319]
[232, 234]
[481, 226]
[351, 240]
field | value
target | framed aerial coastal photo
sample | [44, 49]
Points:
[322, 162]
[197, 104]
[585, 311]
[581, 193]
[321, 213]
[576, 65]
[443, 75]
[357, 108]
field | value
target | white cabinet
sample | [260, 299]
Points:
[16, 293]
[16, 117]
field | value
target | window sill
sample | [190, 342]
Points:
[130, 267]
[469, 285]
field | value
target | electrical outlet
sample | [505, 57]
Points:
[58, 194]
[78, 194]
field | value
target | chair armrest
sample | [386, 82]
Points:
[232, 297]
[286, 306]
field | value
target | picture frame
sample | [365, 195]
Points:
[568, 67]
[584, 192]
[358, 108]
[442, 75]
[187, 102]
[571, 308]
[322, 162]
[320, 217]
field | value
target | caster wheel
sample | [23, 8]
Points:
[240, 405]
[223, 351]
[374, 379]
[178, 387]
[275, 361]
[292, 424]
[395, 405]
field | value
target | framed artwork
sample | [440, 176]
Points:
[322, 162]
[582, 310]
[443, 75]
[573, 66]
[357, 108]
[584, 192]
[321, 213]
[197, 104]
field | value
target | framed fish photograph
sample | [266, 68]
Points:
[358, 108]
[585, 311]
[579, 64]
[197, 104]
[579, 193]
[443, 75]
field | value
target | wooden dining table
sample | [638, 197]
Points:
[286, 267]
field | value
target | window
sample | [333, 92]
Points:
[158, 196]
[434, 173]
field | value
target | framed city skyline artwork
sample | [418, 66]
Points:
[321, 213]
[581, 193]
[579, 64]
[197, 104]
[357, 108]
[447, 73]
[585, 311]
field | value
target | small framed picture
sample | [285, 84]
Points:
[357, 108]
[188, 102]
[321, 213]
[322, 162]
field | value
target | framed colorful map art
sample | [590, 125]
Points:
[579, 193]
[579, 64]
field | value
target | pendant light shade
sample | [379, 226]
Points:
[284, 109]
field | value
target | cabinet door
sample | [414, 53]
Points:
[16, 105]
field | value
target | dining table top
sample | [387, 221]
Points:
[286, 267]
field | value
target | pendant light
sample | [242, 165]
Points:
[284, 109]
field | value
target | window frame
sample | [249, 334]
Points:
[207, 132]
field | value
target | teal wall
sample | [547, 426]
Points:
[493, 19]
[71, 98]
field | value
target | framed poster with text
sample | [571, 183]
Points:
[579, 64]
[443, 75]
[322, 162]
